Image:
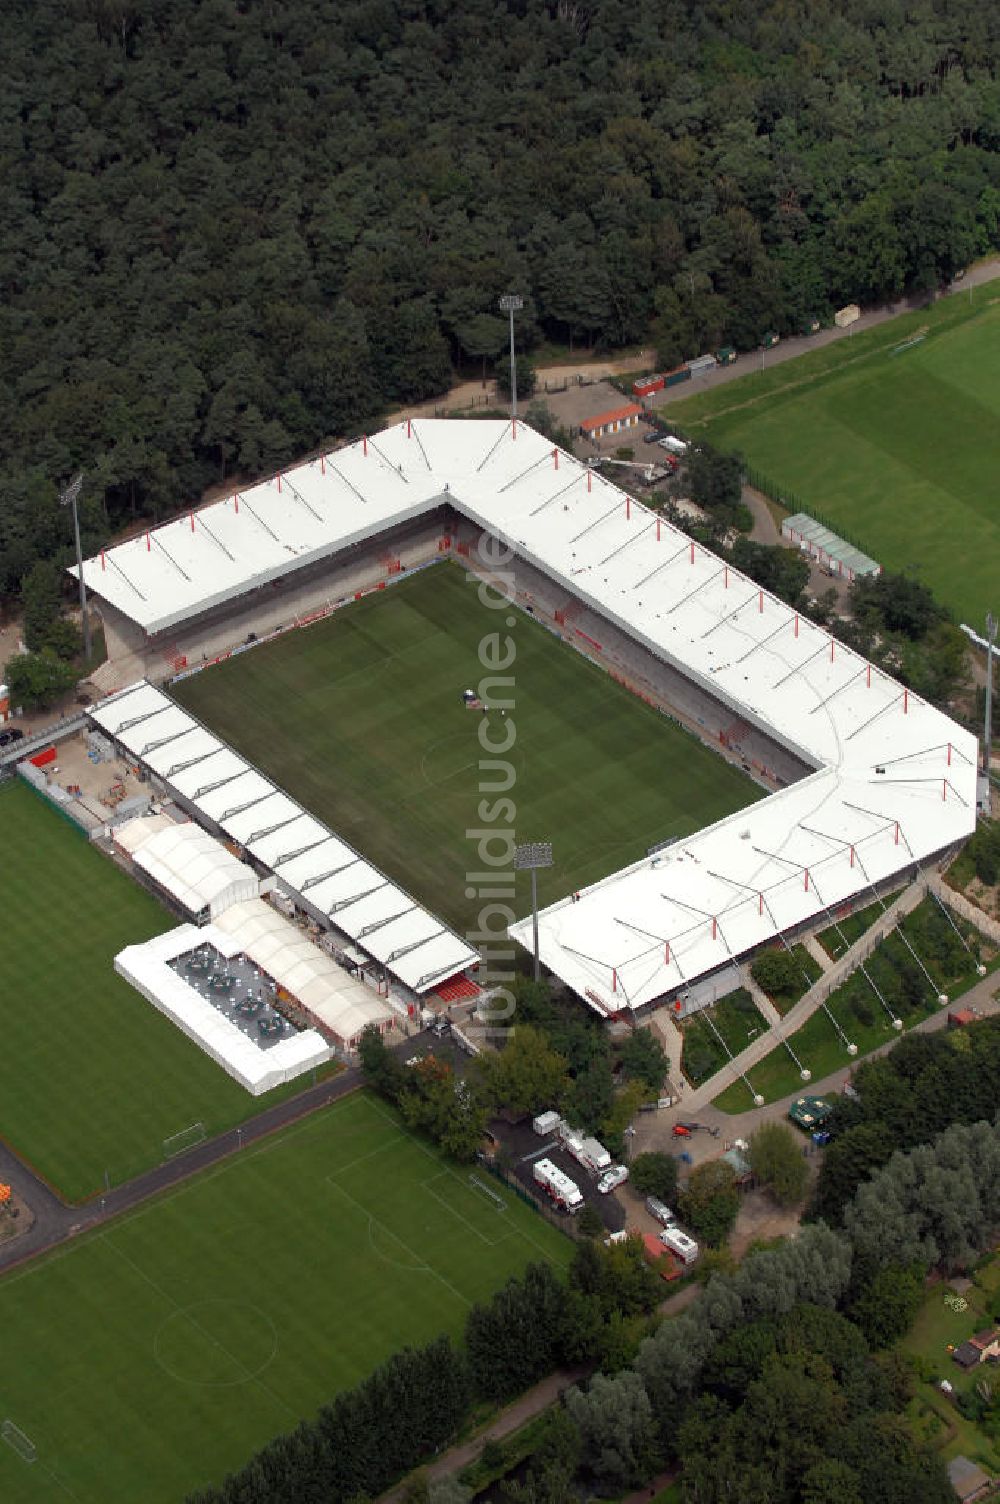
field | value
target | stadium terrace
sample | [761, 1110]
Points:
[888, 782]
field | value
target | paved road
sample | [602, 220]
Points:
[55, 1221]
[655, 1132]
[984, 271]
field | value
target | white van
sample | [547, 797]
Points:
[661, 1213]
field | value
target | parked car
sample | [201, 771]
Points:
[612, 1179]
[681, 1130]
[8, 738]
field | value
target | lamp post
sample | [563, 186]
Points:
[68, 498]
[529, 857]
[511, 303]
[991, 637]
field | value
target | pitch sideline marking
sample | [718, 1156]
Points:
[519, 1232]
[419, 1266]
[182, 1311]
[428, 1185]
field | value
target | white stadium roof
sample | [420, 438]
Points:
[895, 779]
[309, 860]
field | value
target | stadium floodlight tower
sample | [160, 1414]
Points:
[528, 858]
[69, 498]
[991, 637]
[512, 303]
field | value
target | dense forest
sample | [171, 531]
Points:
[236, 228]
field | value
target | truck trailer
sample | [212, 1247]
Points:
[557, 1186]
[678, 1242]
[586, 1151]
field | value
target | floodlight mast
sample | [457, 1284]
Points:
[991, 637]
[529, 857]
[511, 303]
[68, 498]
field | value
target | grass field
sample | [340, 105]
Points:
[94, 1078]
[936, 1327]
[862, 1019]
[361, 718]
[734, 1019]
[159, 1354]
[899, 451]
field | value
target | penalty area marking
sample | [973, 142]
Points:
[509, 1232]
[18, 1441]
[418, 1266]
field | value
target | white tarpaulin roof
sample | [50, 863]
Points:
[312, 863]
[280, 948]
[145, 967]
[895, 780]
[188, 863]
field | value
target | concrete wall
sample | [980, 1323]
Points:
[647, 676]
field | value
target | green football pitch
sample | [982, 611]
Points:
[361, 718]
[94, 1077]
[159, 1354]
[898, 450]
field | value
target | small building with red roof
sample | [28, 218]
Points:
[615, 421]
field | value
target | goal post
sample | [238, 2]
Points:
[187, 1138]
[18, 1441]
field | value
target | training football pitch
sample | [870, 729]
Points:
[160, 1353]
[94, 1077]
[898, 450]
[361, 718]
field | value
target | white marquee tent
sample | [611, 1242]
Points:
[188, 863]
[310, 861]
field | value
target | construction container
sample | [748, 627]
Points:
[770, 340]
[702, 363]
[847, 315]
[725, 356]
[678, 374]
[647, 385]
[546, 1123]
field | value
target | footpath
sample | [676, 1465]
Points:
[55, 1221]
[525, 1408]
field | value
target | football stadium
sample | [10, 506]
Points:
[863, 780]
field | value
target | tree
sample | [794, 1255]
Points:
[709, 1202]
[654, 1173]
[36, 680]
[64, 638]
[526, 1075]
[776, 1161]
[644, 1059]
[777, 972]
[590, 1098]
[40, 599]
[625, 1104]
[379, 1065]
[518, 1336]
[714, 480]
[888, 1303]
[588, 1222]
[615, 1420]
[782, 571]
[527, 376]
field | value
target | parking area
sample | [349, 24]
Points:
[522, 1147]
